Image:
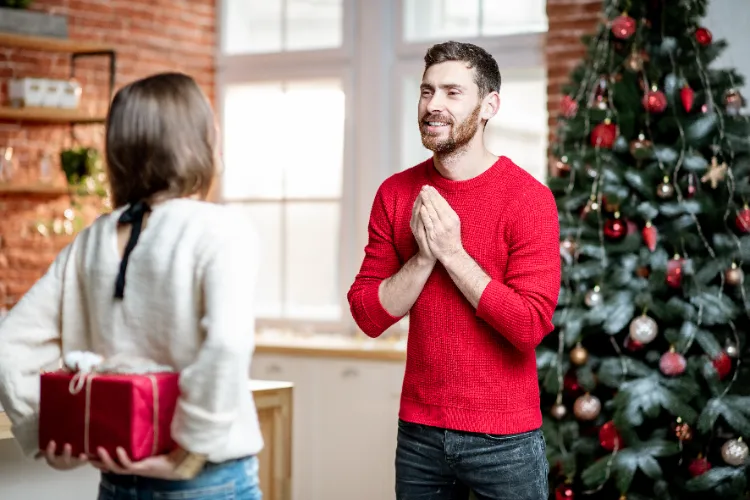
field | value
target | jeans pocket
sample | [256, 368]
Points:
[511, 437]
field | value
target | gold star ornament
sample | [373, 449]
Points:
[715, 173]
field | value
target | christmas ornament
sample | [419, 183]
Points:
[687, 96]
[615, 229]
[655, 101]
[734, 452]
[609, 438]
[561, 167]
[733, 102]
[665, 189]
[643, 329]
[641, 148]
[634, 62]
[604, 134]
[674, 271]
[715, 173]
[558, 411]
[734, 275]
[632, 345]
[564, 492]
[703, 36]
[723, 365]
[570, 383]
[682, 430]
[579, 355]
[649, 236]
[691, 187]
[587, 407]
[623, 26]
[591, 206]
[742, 220]
[672, 363]
[594, 297]
[699, 466]
[568, 106]
[732, 350]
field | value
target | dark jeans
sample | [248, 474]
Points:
[440, 464]
[232, 480]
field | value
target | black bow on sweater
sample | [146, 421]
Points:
[132, 215]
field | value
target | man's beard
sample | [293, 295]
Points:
[460, 135]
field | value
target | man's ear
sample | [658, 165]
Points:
[491, 105]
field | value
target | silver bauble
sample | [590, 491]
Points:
[643, 329]
[734, 452]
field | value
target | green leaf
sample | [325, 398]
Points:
[733, 416]
[650, 467]
[716, 308]
[620, 314]
[708, 343]
[614, 371]
[645, 397]
[695, 162]
[625, 465]
[701, 128]
[711, 479]
[596, 474]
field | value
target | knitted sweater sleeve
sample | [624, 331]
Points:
[30, 339]
[520, 307]
[381, 261]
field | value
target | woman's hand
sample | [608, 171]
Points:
[159, 467]
[65, 461]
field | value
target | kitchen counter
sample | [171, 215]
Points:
[331, 346]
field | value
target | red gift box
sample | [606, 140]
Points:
[89, 411]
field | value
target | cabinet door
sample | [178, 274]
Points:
[298, 371]
[357, 409]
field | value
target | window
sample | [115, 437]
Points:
[316, 114]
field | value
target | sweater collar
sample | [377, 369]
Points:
[489, 175]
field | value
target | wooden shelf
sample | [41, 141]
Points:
[50, 44]
[33, 190]
[49, 115]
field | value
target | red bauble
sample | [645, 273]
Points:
[570, 383]
[691, 187]
[632, 345]
[723, 365]
[703, 36]
[609, 438]
[615, 229]
[674, 272]
[568, 106]
[687, 95]
[604, 135]
[564, 492]
[649, 236]
[623, 26]
[655, 101]
[742, 221]
[699, 466]
[672, 363]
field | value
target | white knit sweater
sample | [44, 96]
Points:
[188, 303]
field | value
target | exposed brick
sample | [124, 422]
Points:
[569, 20]
[149, 37]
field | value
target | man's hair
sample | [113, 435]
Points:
[486, 74]
[161, 140]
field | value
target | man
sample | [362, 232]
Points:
[467, 243]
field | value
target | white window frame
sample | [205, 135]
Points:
[371, 64]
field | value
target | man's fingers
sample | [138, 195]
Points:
[122, 455]
[108, 462]
[427, 221]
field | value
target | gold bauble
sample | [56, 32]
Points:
[579, 355]
[587, 407]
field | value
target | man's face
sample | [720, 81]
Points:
[449, 107]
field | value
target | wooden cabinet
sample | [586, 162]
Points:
[273, 401]
[344, 423]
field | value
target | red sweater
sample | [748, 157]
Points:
[469, 369]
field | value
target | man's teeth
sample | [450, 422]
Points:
[436, 124]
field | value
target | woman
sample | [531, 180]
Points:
[165, 276]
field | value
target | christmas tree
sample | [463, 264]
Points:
[644, 390]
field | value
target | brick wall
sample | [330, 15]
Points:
[149, 37]
[569, 20]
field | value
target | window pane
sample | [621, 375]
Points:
[439, 19]
[284, 140]
[262, 26]
[268, 223]
[314, 24]
[522, 17]
[518, 130]
[252, 26]
[312, 257]
[431, 19]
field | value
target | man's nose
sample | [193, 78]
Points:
[436, 103]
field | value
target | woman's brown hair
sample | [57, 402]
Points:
[161, 140]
